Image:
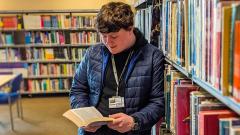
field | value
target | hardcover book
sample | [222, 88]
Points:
[209, 120]
[183, 108]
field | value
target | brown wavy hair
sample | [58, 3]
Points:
[113, 16]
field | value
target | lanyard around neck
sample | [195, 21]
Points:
[115, 70]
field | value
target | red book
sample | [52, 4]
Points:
[158, 126]
[236, 73]
[9, 22]
[183, 108]
[209, 121]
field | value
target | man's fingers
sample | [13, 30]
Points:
[117, 115]
[91, 128]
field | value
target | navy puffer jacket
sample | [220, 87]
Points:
[144, 97]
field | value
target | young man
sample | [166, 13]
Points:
[122, 77]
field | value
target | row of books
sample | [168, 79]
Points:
[45, 21]
[16, 54]
[201, 37]
[191, 110]
[84, 37]
[143, 21]
[49, 53]
[60, 75]
[10, 55]
[55, 53]
[6, 39]
[49, 37]
[47, 85]
[37, 69]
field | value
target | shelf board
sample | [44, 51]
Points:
[82, 45]
[230, 102]
[48, 76]
[48, 11]
[52, 29]
[53, 61]
[45, 92]
[43, 61]
[178, 67]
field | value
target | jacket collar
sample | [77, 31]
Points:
[140, 42]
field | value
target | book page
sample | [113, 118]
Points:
[88, 113]
[85, 116]
[74, 118]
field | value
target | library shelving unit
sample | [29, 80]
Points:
[45, 46]
[194, 51]
[198, 39]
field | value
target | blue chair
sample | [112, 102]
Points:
[13, 96]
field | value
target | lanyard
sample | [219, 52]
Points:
[115, 70]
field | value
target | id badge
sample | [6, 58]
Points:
[116, 102]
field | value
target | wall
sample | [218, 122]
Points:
[52, 4]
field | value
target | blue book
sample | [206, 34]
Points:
[28, 38]
[13, 65]
[1, 40]
[54, 21]
[226, 125]
[9, 39]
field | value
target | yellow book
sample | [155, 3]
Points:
[226, 27]
[49, 54]
[174, 32]
[85, 116]
[187, 57]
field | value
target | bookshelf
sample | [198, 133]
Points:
[198, 39]
[189, 53]
[46, 46]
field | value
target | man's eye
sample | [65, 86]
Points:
[114, 37]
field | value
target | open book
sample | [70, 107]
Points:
[86, 116]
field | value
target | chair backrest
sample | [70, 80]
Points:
[16, 83]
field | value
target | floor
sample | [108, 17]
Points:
[42, 116]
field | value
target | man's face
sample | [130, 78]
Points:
[117, 42]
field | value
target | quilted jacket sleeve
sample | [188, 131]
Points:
[80, 89]
[154, 110]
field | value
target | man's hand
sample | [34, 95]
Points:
[90, 128]
[122, 122]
